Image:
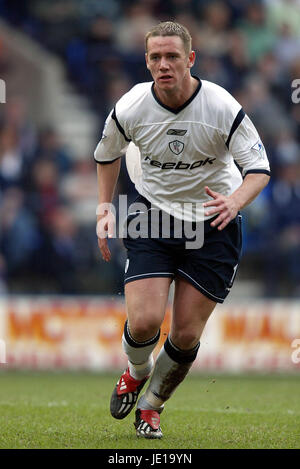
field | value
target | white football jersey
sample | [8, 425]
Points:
[185, 149]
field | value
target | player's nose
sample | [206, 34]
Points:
[164, 65]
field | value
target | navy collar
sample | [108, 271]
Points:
[184, 105]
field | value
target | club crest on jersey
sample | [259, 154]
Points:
[176, 147]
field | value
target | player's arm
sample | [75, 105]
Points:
[248, 151]
[228, 207]
[108, 157]
[107, 176]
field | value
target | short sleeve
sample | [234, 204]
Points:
[247, 148]
[113, 143]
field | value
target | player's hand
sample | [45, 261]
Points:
[226, 207]
[105, 229]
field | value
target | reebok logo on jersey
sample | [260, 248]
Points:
[180, 164]
[176, 132]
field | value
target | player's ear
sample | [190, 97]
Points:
[192, 57]
[146, 58]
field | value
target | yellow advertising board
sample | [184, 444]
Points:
[86, 332]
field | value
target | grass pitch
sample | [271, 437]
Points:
[71, 410]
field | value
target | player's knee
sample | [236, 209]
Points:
[143, 329]
[185, 339]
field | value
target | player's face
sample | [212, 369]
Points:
[168, 62]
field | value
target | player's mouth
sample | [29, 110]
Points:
[165, 78]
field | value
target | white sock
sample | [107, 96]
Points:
[140, 371]
[140, 359]
[171, 367]
[149, 401]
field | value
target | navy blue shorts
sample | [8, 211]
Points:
[211, 269]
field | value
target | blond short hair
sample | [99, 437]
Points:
[170, 28]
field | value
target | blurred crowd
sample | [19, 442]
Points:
[252, 48]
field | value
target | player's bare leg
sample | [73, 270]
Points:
[146, 301]
[191, 311]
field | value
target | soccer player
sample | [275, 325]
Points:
[188, 132]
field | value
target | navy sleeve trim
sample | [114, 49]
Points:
[114, 117]
[240, 116]
[107, 162]
[238, 167]
[258, 171]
